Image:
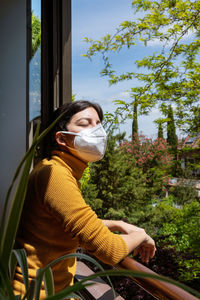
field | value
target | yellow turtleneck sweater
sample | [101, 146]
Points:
[56, 220]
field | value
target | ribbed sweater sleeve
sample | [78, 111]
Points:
[64, 200]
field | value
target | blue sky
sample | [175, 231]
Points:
[94, 19]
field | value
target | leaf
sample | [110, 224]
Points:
[12, 265]
[75, 296]
[30, 294]
[83, 283]
[10, 230]
[119, 102]
[49, 282]
[6, 287]
[38, 283]
[41, 272]
[22, 261]
[78, 286]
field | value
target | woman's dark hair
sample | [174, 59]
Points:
[68, 110]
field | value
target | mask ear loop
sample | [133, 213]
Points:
[69, 132]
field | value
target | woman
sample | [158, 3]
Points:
[56, 219]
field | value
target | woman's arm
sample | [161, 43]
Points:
[121, 226]
[135, 237]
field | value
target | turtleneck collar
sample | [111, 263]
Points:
[76, 165]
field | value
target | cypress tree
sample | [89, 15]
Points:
[171, 130]
[160, 131]
[172, 138]
[135, 119]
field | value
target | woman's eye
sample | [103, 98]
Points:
[83, 124]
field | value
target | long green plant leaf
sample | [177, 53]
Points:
[10, 231]
[2, 294]
[30, 293]
[49, 282]
[38, 283]
[37, 139]
[17, 172]
[6, 286]
[82, 284]
[111, 273]
[75, 296]
[76, 287]
[12, 265]
[40, 273]
[8, 228]
[22, 261]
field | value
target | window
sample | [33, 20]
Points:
[35, 62]
[49, 70]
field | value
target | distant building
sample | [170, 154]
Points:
[189, 153]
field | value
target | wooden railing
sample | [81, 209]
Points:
[159, 289]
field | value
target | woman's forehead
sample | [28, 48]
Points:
[88, 113]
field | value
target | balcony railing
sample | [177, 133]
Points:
[158, 289]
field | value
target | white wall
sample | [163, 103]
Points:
[12, 89]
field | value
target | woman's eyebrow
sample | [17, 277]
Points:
[85, 118]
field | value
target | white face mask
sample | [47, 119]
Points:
[89, 144]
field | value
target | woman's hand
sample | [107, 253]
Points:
[137, 240]
[146, 250]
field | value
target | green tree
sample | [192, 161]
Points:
[160, 131]
[154, 160]
[171, 130]
[135, 119]
[36, 33]
[180, 230]
[172, 72]
[116, 187]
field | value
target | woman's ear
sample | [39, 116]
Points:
[60, 139]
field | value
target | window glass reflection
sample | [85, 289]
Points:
[35, 62]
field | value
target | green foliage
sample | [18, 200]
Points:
[171, 131]
[129, 177]
[36, 34]
[154, 160]
[115, 214]
[179, 229]
[160, 131]
[135, 119]
[189, 269]
[116, 182]
[171, 73]
[85, 178]
[175, 228]
[128, 184]
[9, 257]
[184, 193]
[90, 194]
[182, 231]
